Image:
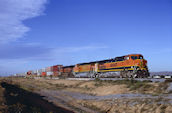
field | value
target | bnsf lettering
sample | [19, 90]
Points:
[102, 67]
[113, 65]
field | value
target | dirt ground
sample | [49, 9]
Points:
[3, 107]
[122, 96]
[89, 87]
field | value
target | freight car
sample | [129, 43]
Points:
[128, 66]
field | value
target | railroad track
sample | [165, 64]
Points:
[139, 79]
[88, 79]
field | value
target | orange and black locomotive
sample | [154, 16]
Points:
[128, 66]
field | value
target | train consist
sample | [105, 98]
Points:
[128, 66]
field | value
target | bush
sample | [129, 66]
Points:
[132, 84]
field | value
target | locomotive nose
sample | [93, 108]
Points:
[141, 63]
[144, 63]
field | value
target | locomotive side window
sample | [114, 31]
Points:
[113, 60]
[126, 58]
[134, 57]
[119, 59]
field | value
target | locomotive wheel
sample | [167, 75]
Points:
[130, 74]
[124, 74]
[140, 74]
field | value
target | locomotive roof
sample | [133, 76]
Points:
[101, 61]
[134, 54]
[68, 66]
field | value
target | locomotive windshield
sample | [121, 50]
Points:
[136, 57]
[140, 57]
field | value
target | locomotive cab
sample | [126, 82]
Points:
[135, 57]
[139, 60]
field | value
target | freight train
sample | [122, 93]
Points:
[128, 66]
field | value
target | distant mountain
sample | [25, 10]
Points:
[161, 73]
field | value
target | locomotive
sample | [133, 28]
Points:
[128, 66]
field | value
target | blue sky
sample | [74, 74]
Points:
[42, 33]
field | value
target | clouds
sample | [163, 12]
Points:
[78, 49]
[36, 51]
[22, 51]
[12, 15]
[16, 58]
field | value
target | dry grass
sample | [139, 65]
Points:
[88, 87]
[102, 88]
[126, 106]
[97, 87]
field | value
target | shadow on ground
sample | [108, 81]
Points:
[22, 101]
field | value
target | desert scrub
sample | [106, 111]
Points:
[61, 86]
[87, 88]
[168, 80]
[93, 107]
[98, 82]
[163, 107]
[162, 87]
[143, 86]
[132, 84]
